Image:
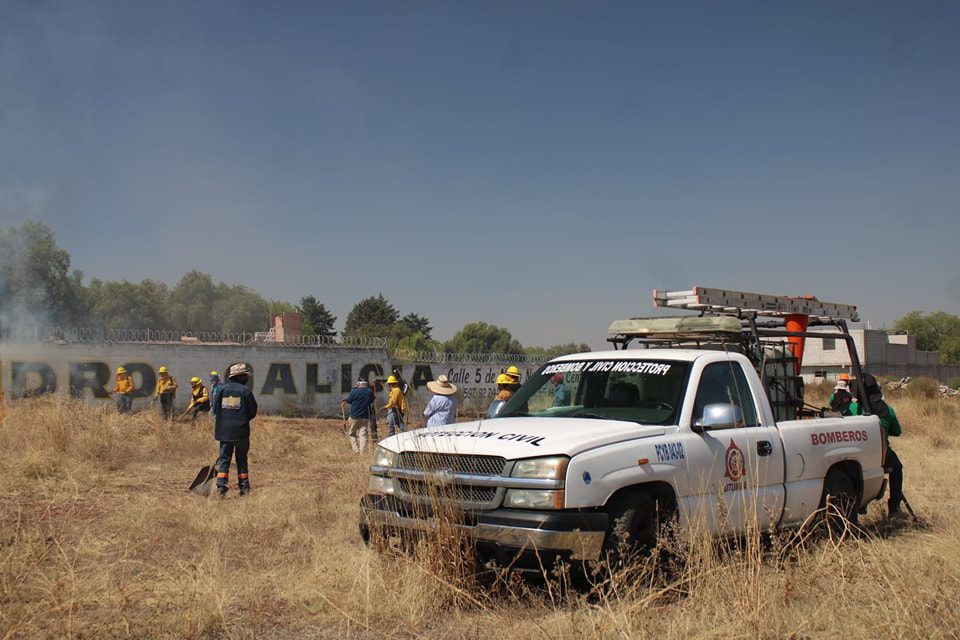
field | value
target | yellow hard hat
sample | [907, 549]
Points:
[214, 374]
[513, 371]
[162, 369]
[392, 380]
[504, 379]
[121, 370]
[194, 380]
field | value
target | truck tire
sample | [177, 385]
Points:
[839, 489]
[631, 529]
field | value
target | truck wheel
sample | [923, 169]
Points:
[632, 527]
[841, 493]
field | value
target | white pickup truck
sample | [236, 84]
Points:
[632, 437]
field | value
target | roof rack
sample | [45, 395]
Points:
[743, 304]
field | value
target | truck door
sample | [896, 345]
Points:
[735, 474]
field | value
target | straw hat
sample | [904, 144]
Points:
[442, 386]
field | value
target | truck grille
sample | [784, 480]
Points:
[460, 493]
[475, 465]
[466, 496]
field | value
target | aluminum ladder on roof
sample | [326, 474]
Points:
[727, 302]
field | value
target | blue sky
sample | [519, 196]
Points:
[538, 165]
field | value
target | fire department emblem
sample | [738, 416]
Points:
[736, 465]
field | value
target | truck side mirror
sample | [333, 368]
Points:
[495, 407]
[718, 416]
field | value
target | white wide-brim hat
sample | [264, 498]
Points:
[442, 386]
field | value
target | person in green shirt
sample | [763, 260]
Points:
[841, 398]
[891, 427]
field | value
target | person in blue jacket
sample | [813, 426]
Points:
[361, 401]
[215, 383]
[234, 407]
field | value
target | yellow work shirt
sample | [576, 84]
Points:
[125, 385]
[199, 395]
[396, 400]
[166, 385]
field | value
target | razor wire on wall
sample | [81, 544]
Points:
[440, 357]
[85, 335]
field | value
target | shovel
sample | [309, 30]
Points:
[202, 485]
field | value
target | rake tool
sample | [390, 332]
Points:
[916, 519]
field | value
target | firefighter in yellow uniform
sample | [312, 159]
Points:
[199, 398]
[124, 391]
[504, 391]
[165, 392]
[513, 372]
[396, 407]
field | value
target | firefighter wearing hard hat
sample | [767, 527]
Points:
[513, 372]
[234, 407]
[215, 383]
[199, 398]
[396, 407]
[165, 392]
[841, 398]
[123, 390]
[504, 387]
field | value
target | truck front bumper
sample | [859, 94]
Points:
[498, 534]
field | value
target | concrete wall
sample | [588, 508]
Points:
[286, 379]
[819, 354]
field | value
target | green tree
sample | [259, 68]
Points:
[36, 284]
[414, 323]
[197, 304]
[938, 331]
[373, 316]
[128, 305]
[281, 306]
[557, 350]
[240, 309]
[417, 342]
[950, 349]
[317, 321]
[480, 337]
[191, 301]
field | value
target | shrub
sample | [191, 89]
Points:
[954, 382]
[926, 388]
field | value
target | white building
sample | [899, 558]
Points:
[880, 353]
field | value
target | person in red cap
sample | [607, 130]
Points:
[841, 397]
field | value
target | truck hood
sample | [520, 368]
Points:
[526, 437]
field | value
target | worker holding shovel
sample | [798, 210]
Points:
[234, 407]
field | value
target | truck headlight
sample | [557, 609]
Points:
[381, 485]
[552, 468]
[533, 499]
[384, 457]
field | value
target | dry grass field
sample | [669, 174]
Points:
[99, 538]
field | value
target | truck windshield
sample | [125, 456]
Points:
[643, 391]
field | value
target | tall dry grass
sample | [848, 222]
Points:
[99, 538]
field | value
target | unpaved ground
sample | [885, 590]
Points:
[99, 538]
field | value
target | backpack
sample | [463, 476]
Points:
[875, 401]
